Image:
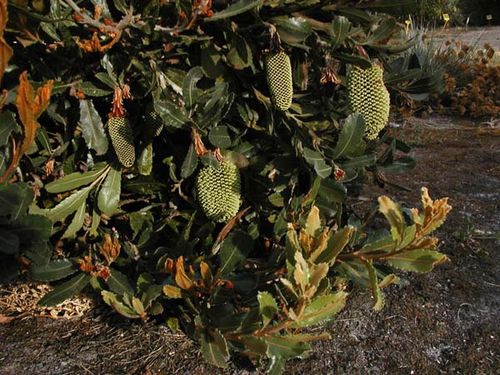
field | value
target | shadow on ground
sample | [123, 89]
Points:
[445, 322]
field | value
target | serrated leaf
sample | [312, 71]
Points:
[234, 250]
[65, 290]
[75, 180]
[9, 242]
[382, 32]
[282, 347]
[119, 283]
[189, 91]
[350, 142]
[214, 348]
[8, 124]
[267, 307]
[117, 303]
[92, 127]
[219, 137]
[241, 6]
[416, 260]
[76, 223]
[54, 270]
[190, 162]
[68, 205]
[109, 195]
[321, 310]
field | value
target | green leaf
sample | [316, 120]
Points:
[240, 53]
[75, 180]
[282, 347]
[382, 32]
[211, 61]
[350, 141]
[76, 223]
[89, 89]
[340, 27]
[31, 229]
[292, 30]
[190, 162]
[332, 191]
[315, 159]
[8, 124]
[400, 165]
[9, 241]
[234, 250]
[118, 304]
[54, 270]
[109, 195]
[65, 290]
[119, 283]
[321, 310]
[416, 260]
[15, 200]
[276, 366]
[92, 127]
[241, 6]
[172, 115]
[357, 60]
[214, 348]
[68, 205]
[145, 161]
[378, 296]
[189, 90]
[267, 307]
[219, 137]
[336, 243]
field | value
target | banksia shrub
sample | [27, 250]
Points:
[122, 137]
[218, 191]
[167, 237]
[369, 97]
[279, 79]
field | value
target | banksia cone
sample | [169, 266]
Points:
[279, 79]
[122, 138]
[369, 97]
[218, 191]
[154, 123]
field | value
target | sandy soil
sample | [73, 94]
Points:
[445, 322]
[472, 36]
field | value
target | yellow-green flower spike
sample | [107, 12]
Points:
[218, 191]
[122, 138]
[279, 79]
[369, 97]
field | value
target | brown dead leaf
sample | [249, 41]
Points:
[181, 278]
[5, 49]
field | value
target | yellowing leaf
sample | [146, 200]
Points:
[181, 278]
[394, 216]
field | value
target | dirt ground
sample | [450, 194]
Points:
[472, 36]
[444, 322]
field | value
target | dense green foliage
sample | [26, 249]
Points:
[153, 122]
